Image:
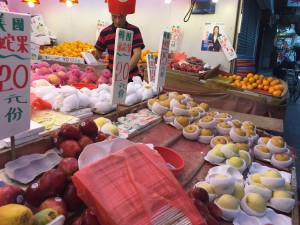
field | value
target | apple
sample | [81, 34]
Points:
[227, 201]
[53, 182]
[207, 187]
[206, 132]
[101, 121]
[53, 79]
[70, 197]
[11, 194]
[57, 140]
[239, 191]
[236, 162]
[69, 131]
[202, 208]
[256, 202]
[88, 218]
[199, 194]
[204, 106]
[271, 174]
[88, 127]
[68, 166]
[281, 157]
[84, 141]
[262, 148]
[70, 148]
[281, 194]
[100, 137]
[33, 195]
[255, 177]
[55, 203]
[210, 220]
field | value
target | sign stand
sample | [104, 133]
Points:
[13, 148]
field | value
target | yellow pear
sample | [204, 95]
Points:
[256, 202]
[227, 201]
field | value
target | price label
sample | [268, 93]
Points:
[151, 67]
[99, 27]
[227, 47]
[15, 54]
[123, 46]
[175, 33]
[163, 54]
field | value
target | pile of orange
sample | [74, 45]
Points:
[254, 81]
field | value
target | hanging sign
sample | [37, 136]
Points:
[227, 47]
[175, 33]
[3, 7]
[151, 67]
[123, 46]
[100, 26]
[14, 74]
[160, 73]
[34, 49]
[293, 3]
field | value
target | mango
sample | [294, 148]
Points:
[45, 216]
[15, 214]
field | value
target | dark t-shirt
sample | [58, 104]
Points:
[106, 40]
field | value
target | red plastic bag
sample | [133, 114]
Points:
[177, 56]
[38, 103]
[134, 186]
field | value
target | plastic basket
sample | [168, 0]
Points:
[171, 157]
[121, 6]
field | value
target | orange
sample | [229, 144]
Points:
[261, 76]
[256, 77]
[280, 87]
[238, 77]
[251, 80]
[246, 79]
[249, 87]
[271, 90]
[277, 93]
[260, 86]
[254, 85]
[269, 79]
[265, 83]
[244, 87]
[250, 75]
[219, 75]
[259, 81]
[266, 87]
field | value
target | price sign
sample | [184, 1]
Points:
[123, 46]
[227, 47]
[160, 73]
[14, 73]
[151, 67]
[175, 33]
[100, 26]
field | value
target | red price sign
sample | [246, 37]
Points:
[123, 47]
[175, 32]
[19, 77]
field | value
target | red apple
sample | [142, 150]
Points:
[73, 202]
[77, 221]
[100, 137]
[70, 148]
[11, 194]
[53, 182]
[88, 127]
[68, 166]
[88, 218]
[55, 203]
[69, 131]
[33, 195]
[57, 140]
[84, 141]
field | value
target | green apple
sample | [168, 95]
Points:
[217, 152]
[233, 147]
[256, 202]
[281, 194]
[271, 174]
[255, 177]
[227, 201]
[245, 157]
[236, 162]
[207, 187]
[238, 191]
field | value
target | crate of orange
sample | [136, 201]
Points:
[267, 89]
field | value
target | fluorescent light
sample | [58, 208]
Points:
[69, 3]
[168, 1]
[215, 1]
[31, 4]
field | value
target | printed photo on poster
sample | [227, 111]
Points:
[211, 32]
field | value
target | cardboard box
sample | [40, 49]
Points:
[41, 40]
[38, 26]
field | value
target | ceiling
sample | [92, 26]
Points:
[285, 15]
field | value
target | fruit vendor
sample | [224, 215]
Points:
[106, 40]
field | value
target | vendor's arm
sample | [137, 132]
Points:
[98, 54]
[135, 58]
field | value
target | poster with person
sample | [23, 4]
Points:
[211, 32]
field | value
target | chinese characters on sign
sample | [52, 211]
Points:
[160, 73]
[123, 46]
[99, 28]
[175, 33]
[227, 47]
[14, 73]
[151, 67]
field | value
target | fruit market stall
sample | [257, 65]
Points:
[198, 151]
